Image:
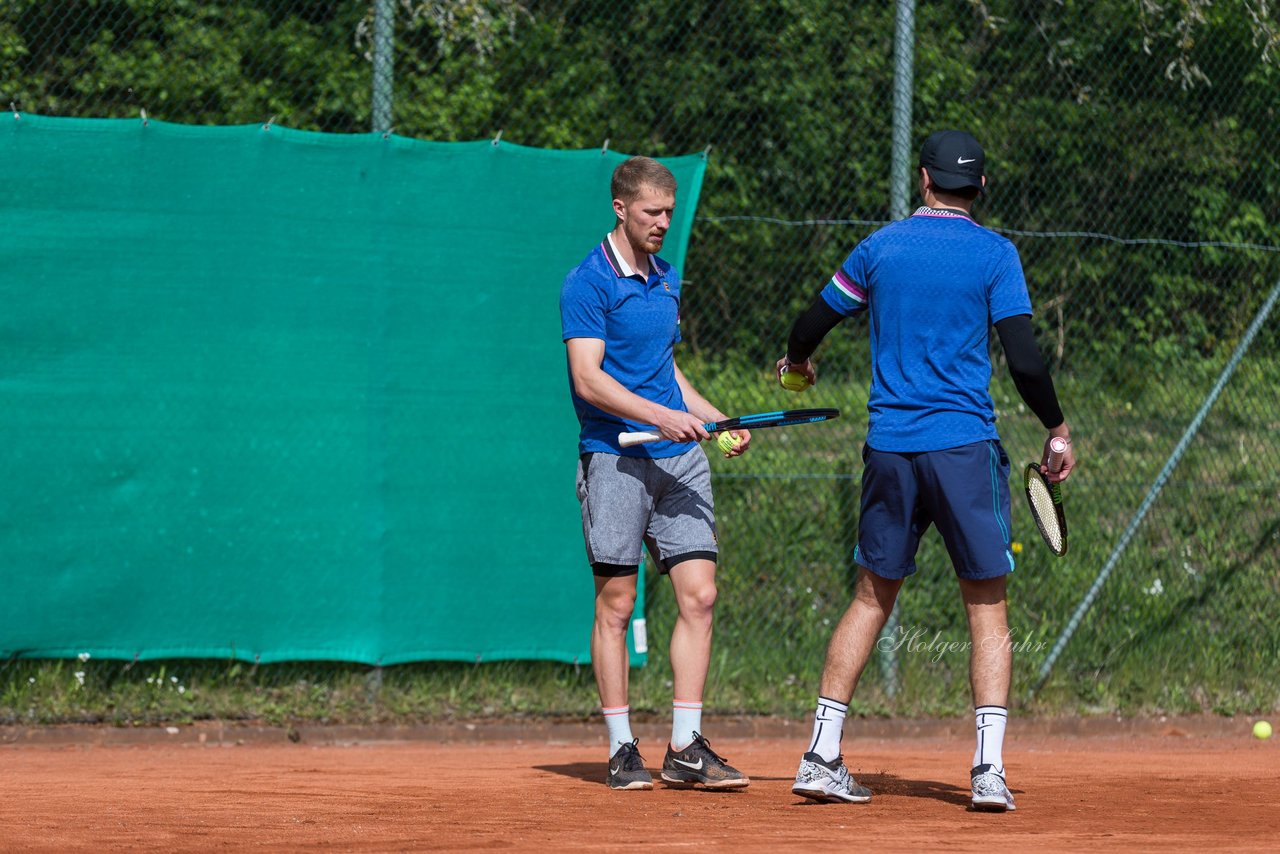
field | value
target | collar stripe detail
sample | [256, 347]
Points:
[606, 246]
[623, 270]
[925, 210]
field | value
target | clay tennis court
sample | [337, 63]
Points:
[1103, 784]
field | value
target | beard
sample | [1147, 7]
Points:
[652, 243]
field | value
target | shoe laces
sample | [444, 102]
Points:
[700, 739]
[629, 757]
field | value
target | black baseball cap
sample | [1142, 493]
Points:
[954, 159]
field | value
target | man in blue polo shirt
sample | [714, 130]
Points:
[620, 321]
[932, 286]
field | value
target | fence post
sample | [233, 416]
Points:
[899, 184]
[903, 83]
[383, 55]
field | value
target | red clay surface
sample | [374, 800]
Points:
[1167, 787]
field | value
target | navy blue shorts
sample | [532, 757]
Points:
[964, 491]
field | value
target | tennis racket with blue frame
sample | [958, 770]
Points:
[783, 418]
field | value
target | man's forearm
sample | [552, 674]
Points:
[1030, 374]
[599, 389]
[809, 330]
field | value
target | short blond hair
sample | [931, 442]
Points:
[635, 173]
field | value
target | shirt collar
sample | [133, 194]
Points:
[621, 267]
[925, 210]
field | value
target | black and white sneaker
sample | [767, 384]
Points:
[626, 768]
[699, 764]
[828, 782]
[990, 792]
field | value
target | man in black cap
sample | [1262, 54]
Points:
[932, 285]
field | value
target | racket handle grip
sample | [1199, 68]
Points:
[1057, 448]
[627, 440]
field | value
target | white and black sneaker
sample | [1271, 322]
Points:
[828, 782]
[626, 768]
[990, 793]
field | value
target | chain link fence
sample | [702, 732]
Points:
[1132, 160]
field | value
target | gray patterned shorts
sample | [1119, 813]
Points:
[664, 503]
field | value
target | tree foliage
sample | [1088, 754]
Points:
[1138, 119]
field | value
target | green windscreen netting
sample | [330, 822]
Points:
[285, 395]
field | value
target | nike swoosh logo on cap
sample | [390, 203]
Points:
[695, 766]
[962, 161]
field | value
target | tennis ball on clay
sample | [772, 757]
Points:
[794, 381]
[727, 442]
[1262, 729]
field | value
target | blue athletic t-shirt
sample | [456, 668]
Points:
[638, 318]
[932, 284]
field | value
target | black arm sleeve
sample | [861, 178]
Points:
[1028, 369]
[809, 330]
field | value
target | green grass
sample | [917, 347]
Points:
[184, 691]
[1188, 622]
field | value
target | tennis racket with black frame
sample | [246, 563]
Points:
[1045, 499]
[783, 418]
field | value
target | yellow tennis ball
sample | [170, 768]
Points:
[794, 381]
[728, 442]
[1262, 729]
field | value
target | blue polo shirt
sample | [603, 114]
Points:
[638, 319]
[933, 284]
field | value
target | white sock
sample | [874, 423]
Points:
[991, 721]
[686, 719]
[828, 727]
[619, 722]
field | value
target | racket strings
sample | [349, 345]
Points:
[1045, 512]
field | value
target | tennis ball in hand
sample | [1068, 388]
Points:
[1262, 729]
[728, 442]
[794, 381]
